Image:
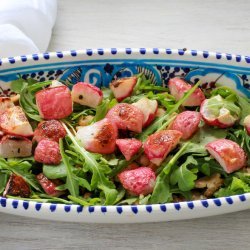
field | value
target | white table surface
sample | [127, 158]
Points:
[195, 24]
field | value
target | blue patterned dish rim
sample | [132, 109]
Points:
[178, 206]
[99, 67]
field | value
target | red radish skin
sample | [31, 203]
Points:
[17, 186]
[220, 122]
[49, 186]
[247, 124]
[13, 121]
[148, 108]
[187, 123]
[123, 88]
[126, 117]
[15, 146]
[129, 147]
[5, 103]
[178, 87]
[51, 129]
[158, 145]
[139, 181]
[86, 94]
[48, 152]
[228, 153]
[54, 103]
[99, 137]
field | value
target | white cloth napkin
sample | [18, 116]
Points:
[26, 26]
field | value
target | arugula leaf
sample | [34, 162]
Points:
[71, 182]
[237, 186]
[3, 181]
[85, 202]
[162, 122]
[144, 85]
[231, 95]
[55, 172]
[205, 135]
[121, 194]
[241, 137]
[99, 179]
[161, 192]
[101, 110]
[128, 201]
[143, 200]
[183, 176]
[83, 183]
[17, 85]
[21, 168]
[245, 108]
[27, 99]
[44, 198]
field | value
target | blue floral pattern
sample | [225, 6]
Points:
[102, 74]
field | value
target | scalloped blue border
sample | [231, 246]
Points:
[128, 51]
[135, 209]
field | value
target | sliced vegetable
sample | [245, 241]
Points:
[123, 87]
[54, 103]
[99, 137]
[86, 94]
[247, 124]
[139, 181]
[52, 130]
[17, 186]
[228, 153]
[159, 144]
[219, 112]
[48, 152]
[126, 117]
[5, 103]
[15, 146]
[49, 186]
[187, 123]
[128, 147]
[13, 121]
[178, 87]
[148, 108]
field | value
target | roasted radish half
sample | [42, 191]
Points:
[187, 123]
[126, 117]
[178, 87]
[247, 124]
[15, 146]
[48, 152]
[17, 186]
[123, 87]
[49, 186]
[54, 103]
[52, 130]
[128, 147]
[158, 145]
[148, 108]
[5, 103]
[228, 153]
[138, 181]
[13, 121]
[86, 94]
[217, 111]
[99, 137]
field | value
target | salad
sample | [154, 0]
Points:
[132, 143]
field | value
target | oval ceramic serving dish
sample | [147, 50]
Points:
[99, 67]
